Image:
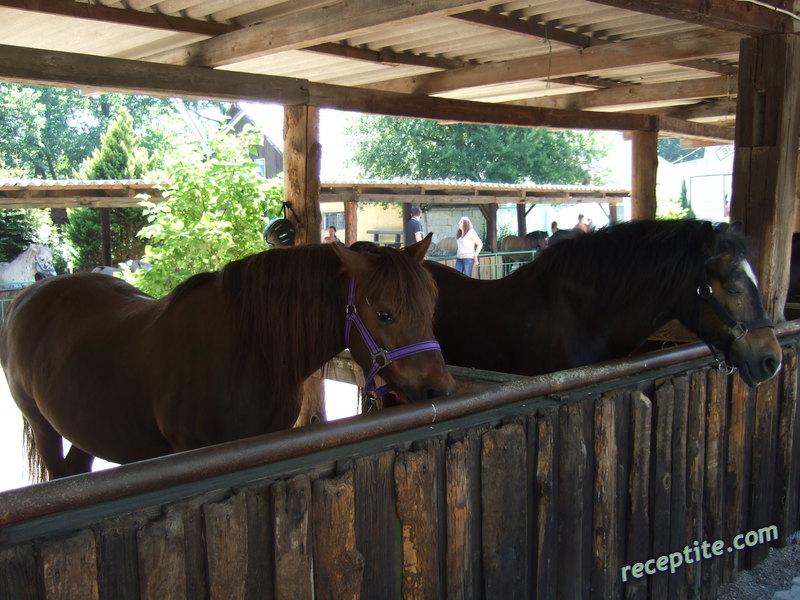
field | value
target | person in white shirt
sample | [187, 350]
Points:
[469, 247]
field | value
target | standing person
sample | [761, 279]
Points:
[553, 227]
[581, 225]
[331, 237]
[413, 228]
[469, 247]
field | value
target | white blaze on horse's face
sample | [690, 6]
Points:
[748, 270]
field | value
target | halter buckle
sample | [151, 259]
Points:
[350, 309]
[381, 358]
[704, 290]
[739, 331]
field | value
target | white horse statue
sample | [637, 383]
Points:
[36, 260]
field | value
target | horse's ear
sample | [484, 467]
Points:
[418, 251]
[351, 260]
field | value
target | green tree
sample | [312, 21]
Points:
[683, 200]
[670, 150]
[215, 210]
[18, 230]
[119, 157]
[389, 147]
[48, 132]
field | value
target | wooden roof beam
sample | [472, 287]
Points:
[741, 17]
[386, 57]
[661, 49]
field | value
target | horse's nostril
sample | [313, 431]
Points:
[771, 365]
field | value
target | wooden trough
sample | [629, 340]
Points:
[543, 487]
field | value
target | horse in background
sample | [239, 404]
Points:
[598, 296]
[37, 259]
[126, 377]
[535, 241]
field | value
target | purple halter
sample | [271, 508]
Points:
[380, 358]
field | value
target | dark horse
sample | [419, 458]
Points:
[125, 377]
[599, 295]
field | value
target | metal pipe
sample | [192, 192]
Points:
[176, 469]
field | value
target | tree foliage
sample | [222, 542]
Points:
[48, 132]
[120, 156]
[389, 147]
[215, 210]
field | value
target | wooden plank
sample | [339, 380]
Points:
[695, 477]
[418, 481]
[737, 471]
[714, 481]
[162, 558]
[227, 548]
[503, 493]
[260, 543]
[763, 484]
[378, 534]
[572, 574]
[638, 534]
[546, 504]
[18, 573]
[662, 484]
[118, 558]
[69, 567]
[338, 565]
[294, 578]
[678, 498]
[788, 460]
[605, 545]
[462, 472]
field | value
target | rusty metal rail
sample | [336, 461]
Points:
[53, 497]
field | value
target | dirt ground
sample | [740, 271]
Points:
[773, 574]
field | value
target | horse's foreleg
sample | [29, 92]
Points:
[78, 461]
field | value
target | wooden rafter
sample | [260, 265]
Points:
[386, 56]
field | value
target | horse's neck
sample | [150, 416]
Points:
[18, 270]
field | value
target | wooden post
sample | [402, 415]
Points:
[489, 212]
[105, 232]
[301, 162]
[614, 213]
[522, 227]
[644, 158]
[765, 163]
[351, 221]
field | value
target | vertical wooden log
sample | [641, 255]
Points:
[489, 212]
[301, 163]
[522, 225]
[260, 543]
[105, 234]
[678, 505]
[572, 576]
[118, 563]
[662, 490]
[765, 443]
[312, 403]
[293, 553]
[194, 546]
[740, 430]
[545, 502]
[351, 220]
[338, 565]
[418, 481]
[18, 573]
[788, 463]
[605, 545]
[614, 213]
[503, 493]
[377, 526]
[162, 558]
[462, 463]
[69, 567]
[714, 482]
[227, 548]
[643, 174]
[695, 472]
[765, 163]
[638, 534]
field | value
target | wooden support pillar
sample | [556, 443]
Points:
[105, 233]
[765, 163]
[351, 221]
[301, 163]
[614, 213]
[489, 212]
[522, 226]
[644, 169]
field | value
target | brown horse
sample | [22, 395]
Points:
[535, 240]
[599, 296]
[125, 377]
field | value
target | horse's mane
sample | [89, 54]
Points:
[633, 255]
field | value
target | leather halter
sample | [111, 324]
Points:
[381, 358]
[737, 329]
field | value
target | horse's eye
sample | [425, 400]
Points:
[384, 316]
